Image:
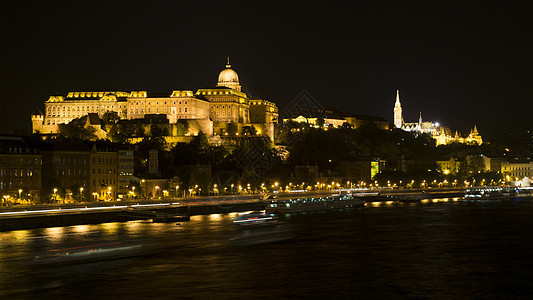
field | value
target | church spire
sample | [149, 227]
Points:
[398, 117]
[398, 97]
[420, 120]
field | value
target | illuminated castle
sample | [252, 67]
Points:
[213, 107]
[442, 134]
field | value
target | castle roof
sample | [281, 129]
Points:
[37, 112]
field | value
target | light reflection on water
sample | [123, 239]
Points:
[436, 249]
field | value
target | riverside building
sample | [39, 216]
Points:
[442, 134]
[219, 105]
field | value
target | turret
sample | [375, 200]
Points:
[37, 120]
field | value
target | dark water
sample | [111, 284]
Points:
[443, 250]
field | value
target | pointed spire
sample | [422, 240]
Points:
[420, 119]
[37, 112]
[227, 64]
[474, 131]
[398, 97]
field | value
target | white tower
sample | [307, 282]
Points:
[398, 118]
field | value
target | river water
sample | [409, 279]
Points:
[438, 249]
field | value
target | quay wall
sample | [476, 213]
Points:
[70, 219]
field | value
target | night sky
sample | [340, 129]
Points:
[460, 65]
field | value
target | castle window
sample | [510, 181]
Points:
[185, 109]
[179, 109]
[165, 109]
[185, 102]
[148, 109]
[157, 109]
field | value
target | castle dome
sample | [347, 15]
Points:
[228, 75]
[229, 78]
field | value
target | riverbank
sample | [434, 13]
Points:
[40, 216]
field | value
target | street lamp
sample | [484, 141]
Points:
[55, 191]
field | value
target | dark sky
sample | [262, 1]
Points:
[460, 64]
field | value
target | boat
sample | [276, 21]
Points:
[255, 218]
[315, 204]
[490, 193]
[92, 253]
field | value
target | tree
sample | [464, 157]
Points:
[249, 130]
[475, 164]
[231, 128]
[76, 129]
[110, 117]
[320, 122]
[159, 131]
